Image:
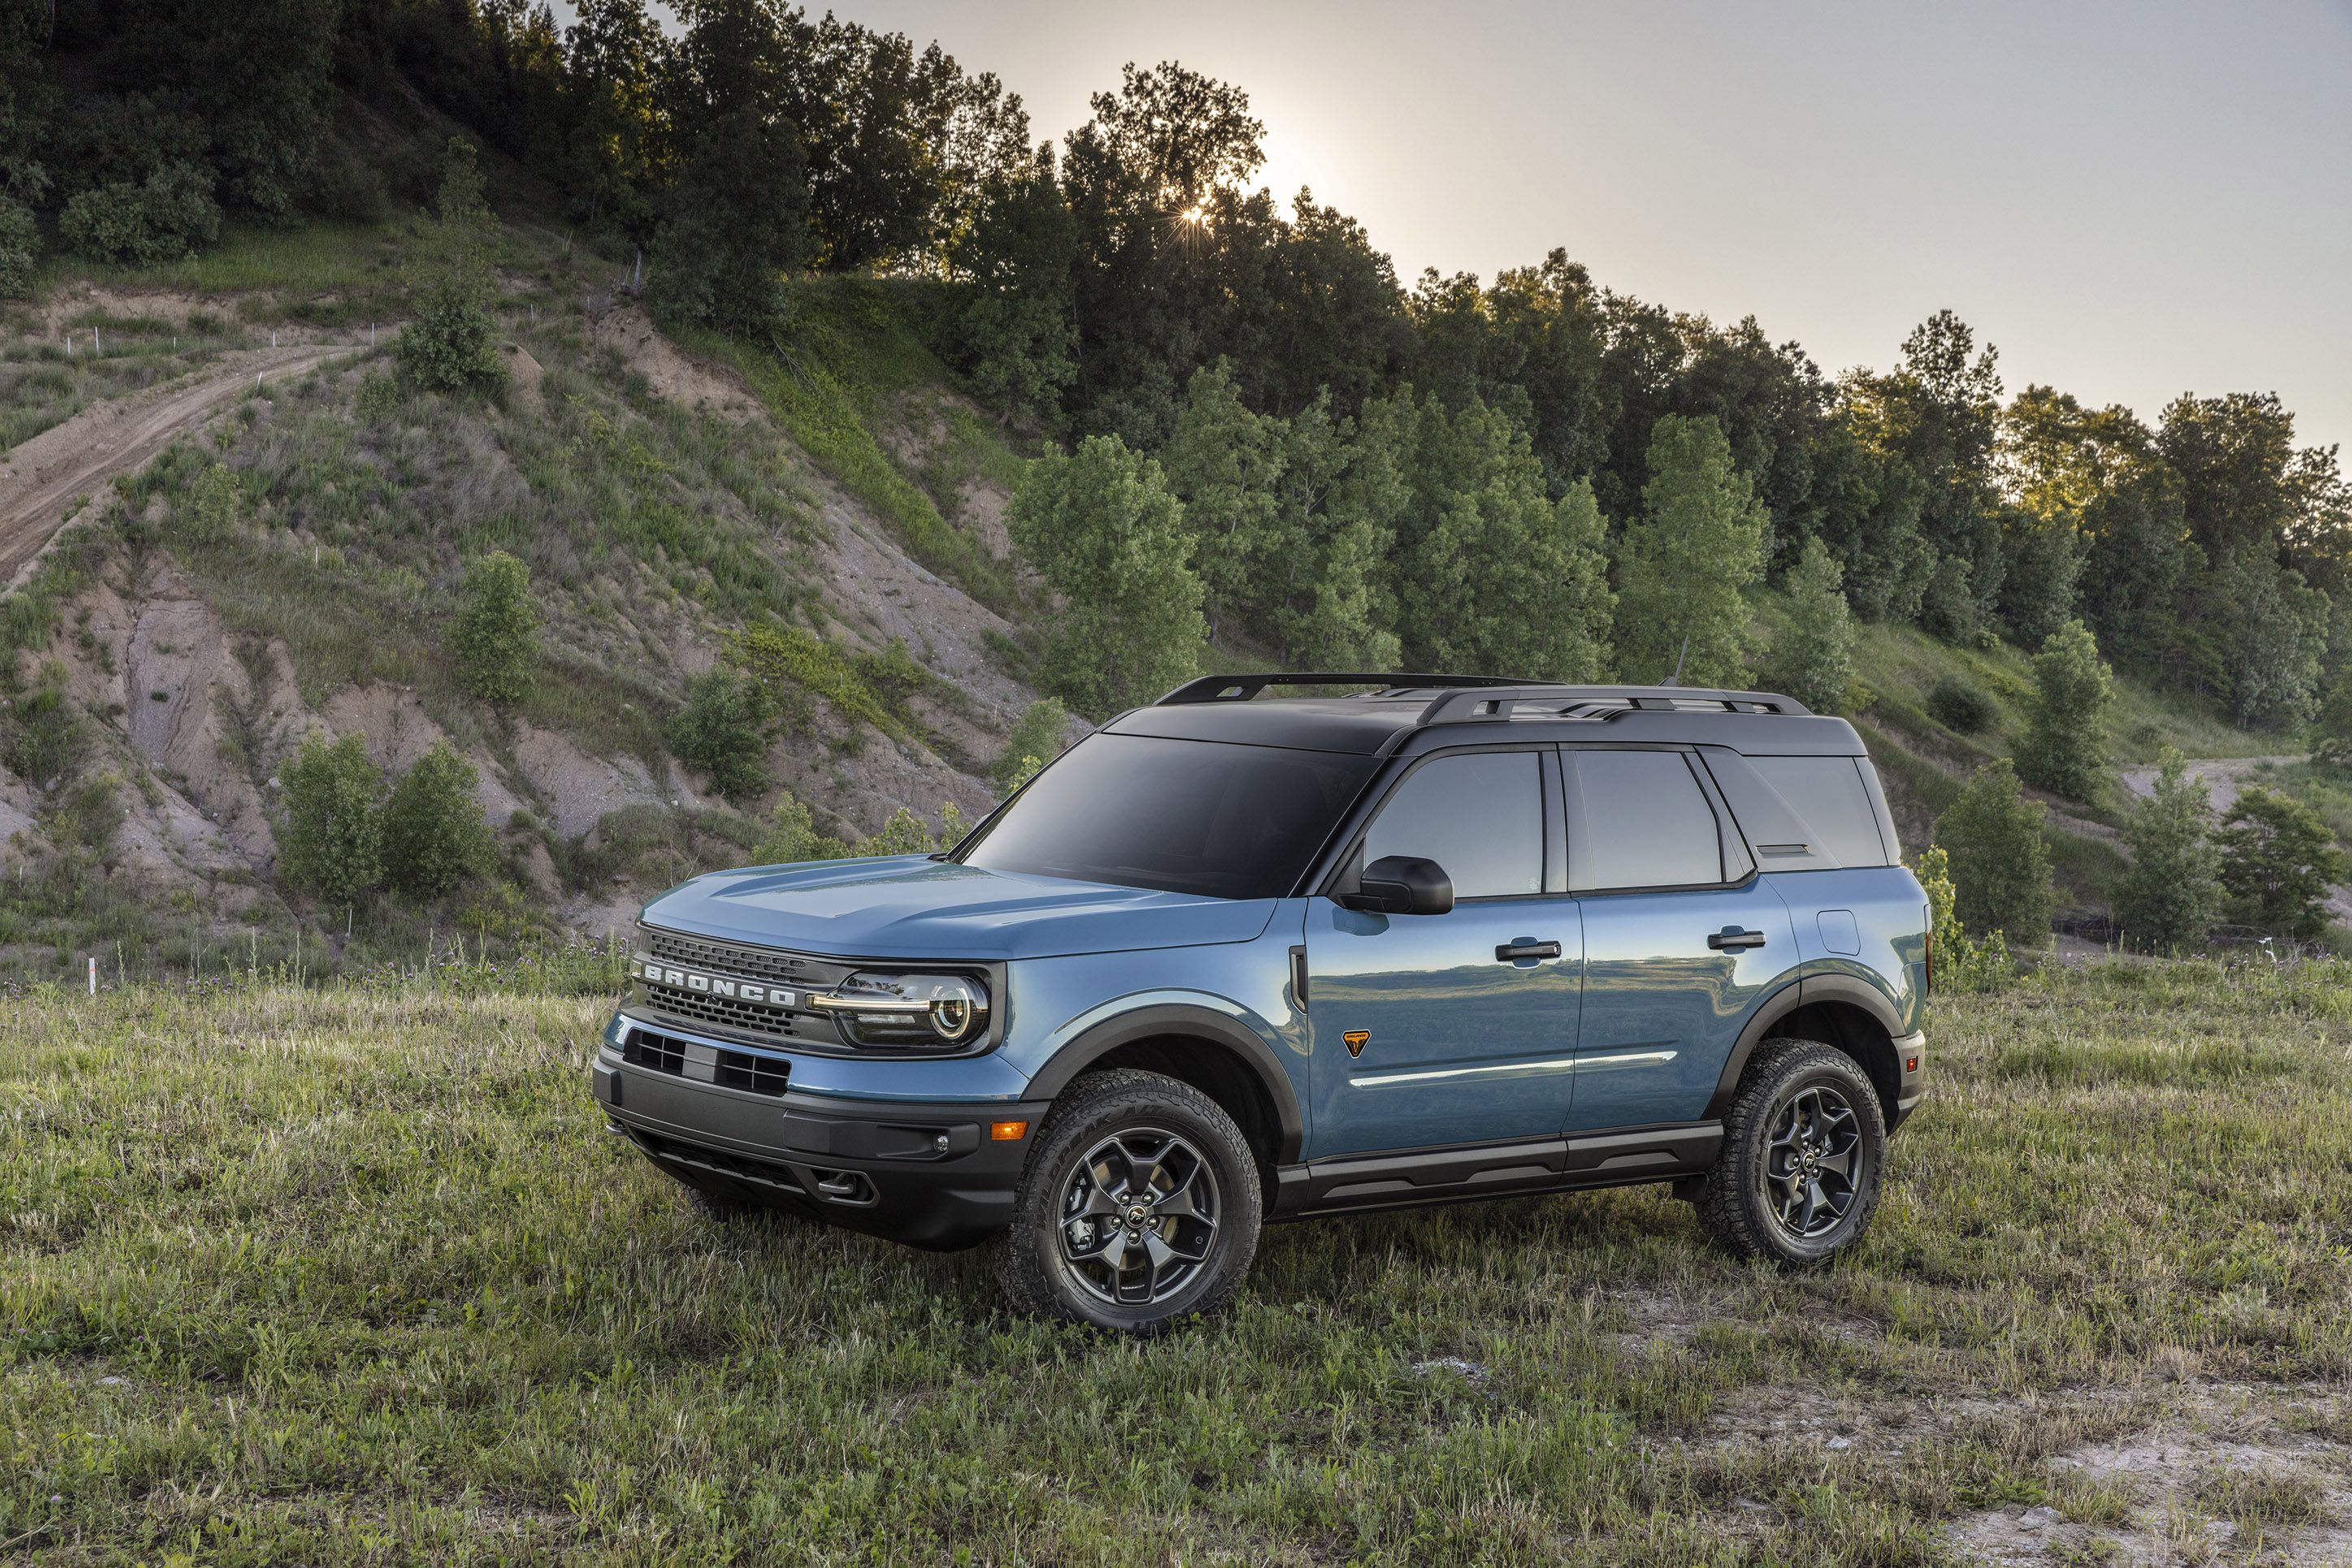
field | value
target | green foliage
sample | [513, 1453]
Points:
[790, 660]
[160, 219]
[2278, 860]
[792, 836]
[1958, 705]
[495, 639]
[2268, 630]
[379, 398]
[212, 506]
[2065, 747]
[722, 731]
[1815, 664]
[41, 736]
[1949, 607]
[1033, 742]
[2331, 726]
[1106, 534]
[2172, 894]
[331, 840]
[434, 835]
[1697, 543]
[1963, 963]
[451, 343]
[1018, 337]
[20, 247]
[1999, 865]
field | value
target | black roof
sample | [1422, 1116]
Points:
[1394, 712]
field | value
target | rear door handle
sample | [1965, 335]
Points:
[1511, 952]
[1732, 937]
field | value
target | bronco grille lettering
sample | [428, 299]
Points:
[715, 985]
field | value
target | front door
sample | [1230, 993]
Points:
[1681, 939]
[1451, 1029]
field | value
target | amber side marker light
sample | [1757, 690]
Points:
[1007, 1132]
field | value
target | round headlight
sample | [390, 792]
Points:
[907, 1010]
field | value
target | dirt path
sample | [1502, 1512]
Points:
[40, 479]
[2223, 775]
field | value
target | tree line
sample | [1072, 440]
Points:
[1460, 469]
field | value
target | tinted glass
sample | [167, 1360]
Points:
[1182, 816]
[1637, 819]
[1480, 815]
[1829, 794]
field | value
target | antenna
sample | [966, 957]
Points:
[1676, 678]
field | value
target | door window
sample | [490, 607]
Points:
[1480, 815]
[1638, 819]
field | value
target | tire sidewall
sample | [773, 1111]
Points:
[1812, 1070]
[1037, 1218]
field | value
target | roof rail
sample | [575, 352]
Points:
[1242, 688]
[1496, 702]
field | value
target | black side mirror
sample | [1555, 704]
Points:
[1402, 884]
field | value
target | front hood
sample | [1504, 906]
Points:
[911, 907]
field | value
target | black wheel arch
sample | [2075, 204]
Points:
[1838, 1010]
[1217, 1054]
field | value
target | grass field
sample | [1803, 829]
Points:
[355, 1276]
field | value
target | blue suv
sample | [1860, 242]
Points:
[1239, 958]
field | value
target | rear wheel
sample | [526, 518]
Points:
[1140, 1204]
[1804, 1148]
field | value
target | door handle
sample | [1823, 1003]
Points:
[1732, 937]
[1511, 952]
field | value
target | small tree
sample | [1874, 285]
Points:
[332, 842]
[450, 345]
[792, 836]
[2065, 746]
[20, 245]
[2169, 896]
[1103, 529]
[1032, 743]
[434, 835]
[1962, 963]
[1999, 865]
[1700, 542]
[1817, 661]
[497, 633]
[2278, 860]
[722, 732]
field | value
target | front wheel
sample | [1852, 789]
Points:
[1140, 1204]
[1804, 1147]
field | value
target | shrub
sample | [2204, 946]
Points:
[1958, 705]
[332, 841]
[1961, 962]
[379, 398]
[2000, 867]
[792, 836]
[496, 634]
[434, 836]
[722, 732]
[450, 344]
[41, 737]
[20, 247]
[164, 219]
[2065, 747]
[2169, 895]
[215, 504]
[2278, 860]
[1032, 743]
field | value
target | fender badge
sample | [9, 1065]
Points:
[1355, 1040]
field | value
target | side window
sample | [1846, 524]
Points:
[1638, 819]
[1477, 814]
[1829, 794]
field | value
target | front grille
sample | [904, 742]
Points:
[728, 1069]
[728, 1012]
[756, 963]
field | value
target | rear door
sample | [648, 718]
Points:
[1682, 938]
[1439, 1029]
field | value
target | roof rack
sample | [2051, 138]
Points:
[1242, 688]
[1496, 702]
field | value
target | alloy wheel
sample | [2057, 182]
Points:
[1812, 1160]
[1139, 1215]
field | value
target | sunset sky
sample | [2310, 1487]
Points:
[2131, 200]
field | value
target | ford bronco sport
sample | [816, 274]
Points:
[1235, 959]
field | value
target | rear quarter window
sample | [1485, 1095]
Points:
[1824, 798]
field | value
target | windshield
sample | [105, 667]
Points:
[1181, 816]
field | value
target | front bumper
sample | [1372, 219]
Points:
[1911, 1073]
[926, 1173]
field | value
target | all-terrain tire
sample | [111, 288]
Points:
[1745, 1202]
[1126, 1145]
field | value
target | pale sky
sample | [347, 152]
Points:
[2132, 199]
